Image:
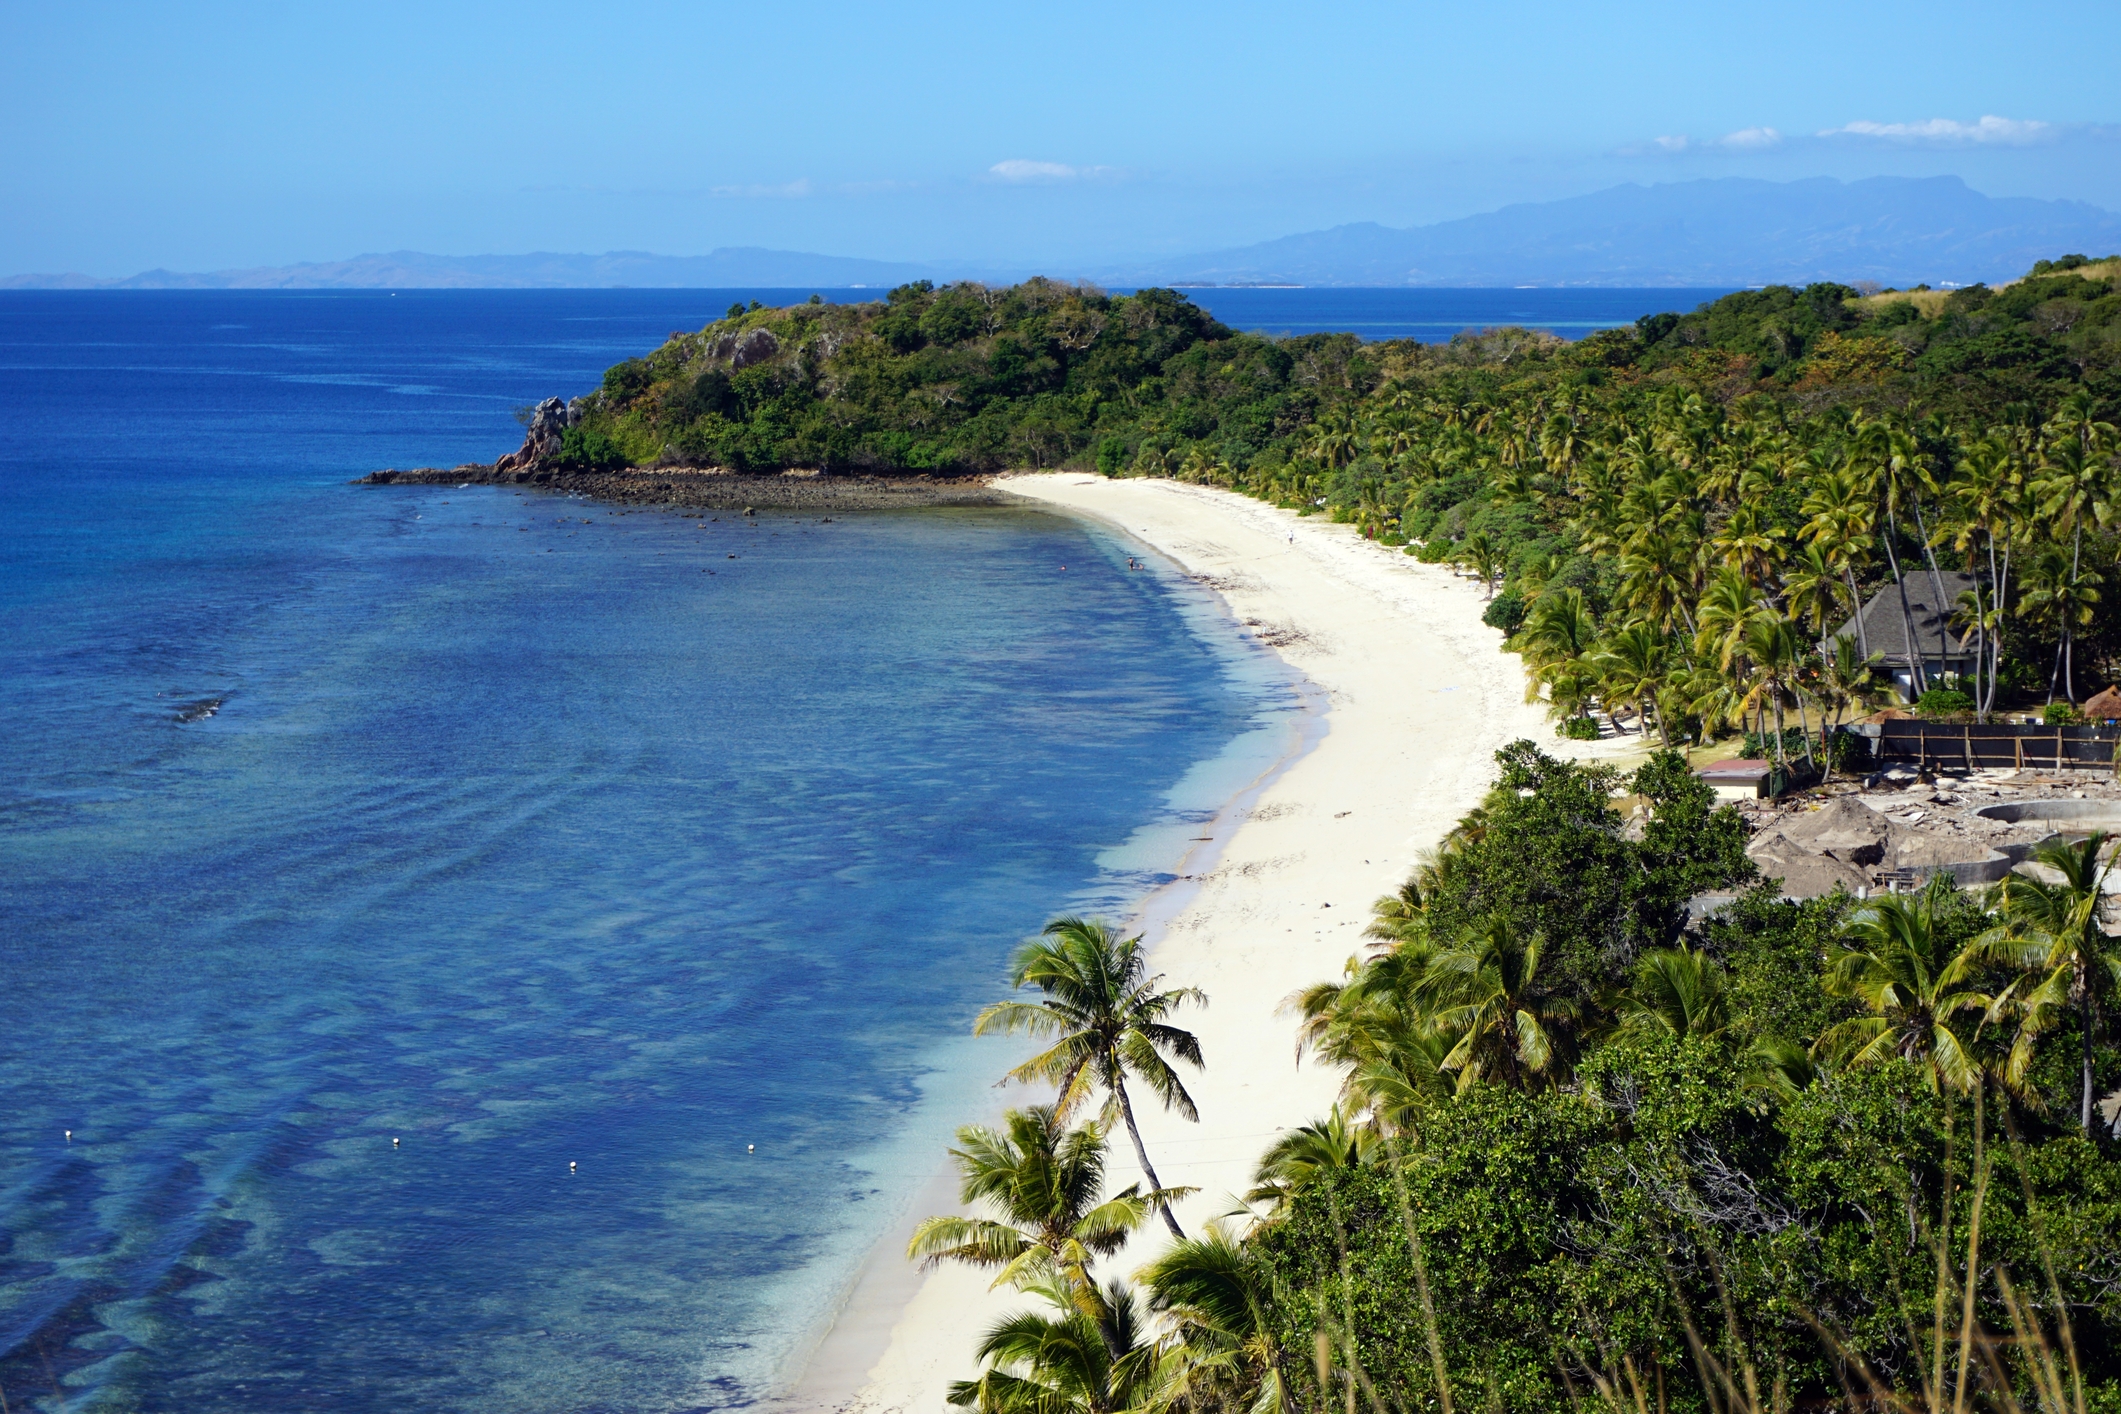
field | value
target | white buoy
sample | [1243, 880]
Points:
[69, 1136]
[570, 1165]
[751, 1148]
[393, 1141]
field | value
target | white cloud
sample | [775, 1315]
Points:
[1989, 129]
[1751, 138]
[1672, 144]
[1023, 169]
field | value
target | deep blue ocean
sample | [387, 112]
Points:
[521, 833]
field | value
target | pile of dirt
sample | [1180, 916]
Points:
[1845, 843]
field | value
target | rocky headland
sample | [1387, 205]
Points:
[540, 462]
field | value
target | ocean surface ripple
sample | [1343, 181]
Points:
[367, 855]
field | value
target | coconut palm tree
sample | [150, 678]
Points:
[1774, 655]
[1676, 990]
[1777, 1069]
[1511, 1029]
[1884, 456]
[1044, 1183]
[1811, 590]
[1557, 627]
[1843, 682]
[1657, 578]
[1730, 604]
[1632, 663]
[1841, 518]
[1750, 542]
[1334, 443]
[2054, 931]
[1397, 1089]
[1359, 1020]
[1893, 957]
[2064, 598]
[1222, 1353]
[1072, 1362]
[1299, 1155]
[1109, 1019]
[1987, 486]
[1484, 558]
[1400, 916]
[1370, 1026]
[2074, 485]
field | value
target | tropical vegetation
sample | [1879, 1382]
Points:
[1591, 1151]
[1591, 1147]
[1675, 520]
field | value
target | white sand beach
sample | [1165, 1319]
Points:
[1418, 697]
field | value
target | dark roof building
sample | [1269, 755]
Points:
[1885, 631]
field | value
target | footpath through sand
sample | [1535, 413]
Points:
[1418, 697]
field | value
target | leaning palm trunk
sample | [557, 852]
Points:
[2088, 1016]
[1980, 656]
[2002, 587]
[1944, 647]
[1916, 678]
[1141, 1152]
[1804, 723]
[1863, 639]
[2069, 626]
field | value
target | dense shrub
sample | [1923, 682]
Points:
[585, 446]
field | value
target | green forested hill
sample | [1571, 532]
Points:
[1660, 492]
[1042, 374]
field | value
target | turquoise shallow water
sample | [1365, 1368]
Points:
[517, 836]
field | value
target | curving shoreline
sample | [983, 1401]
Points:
[712, 488]
[1417, 698]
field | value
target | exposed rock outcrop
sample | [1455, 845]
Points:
[549, 422]
[745, 349]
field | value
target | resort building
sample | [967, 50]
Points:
[1941, 649]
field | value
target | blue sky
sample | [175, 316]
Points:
[201, 136]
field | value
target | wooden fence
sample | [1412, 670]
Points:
[1946, 745]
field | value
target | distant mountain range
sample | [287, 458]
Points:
[733, 267]
[1724, 232]
[1731, 231]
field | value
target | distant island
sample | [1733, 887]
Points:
[1719, 233]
